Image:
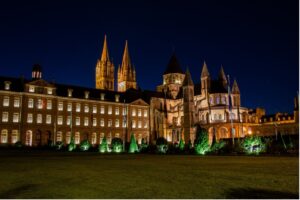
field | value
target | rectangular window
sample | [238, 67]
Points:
[109, 111]
[133, 112]
[94, 121]
[139, 112]
[49, 91]
[124, 111]
[31, 88]
[78, 107]
[39, 104]
[145, 113]
[6, 101]
[60, 106]
[17, 102]
[117, 111]
[60, 120]
[102, 110]
[49, 104]
[145, 124]
[48, 119]
[102, 122]
[39, 118]
[29, 118]
[139, 124]
[124, 123]
[133, 124]
[30, 103]
[16, 117]
[117, 123]
[14, 136]
[109, 123]
[5, 117]
[94, 109]
[86, 121]
[86, 108]
[69, 108]
[68, 122]
[77, 121]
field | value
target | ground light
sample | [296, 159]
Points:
[133, 145]
[103, 147]
[201, 143]
[253, 145]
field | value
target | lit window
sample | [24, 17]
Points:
[78, 107]
[124, 123]
[49, 91]
[146, 124]
[102, 122]
[117, 97]
[29, 118]
[31, 88]
[109, 111]
[49, 104]
[86, 121]
[68, 137]
[124, 111]
[117, 135]
[133, 124]
[59, 120]
[102, 110]
[69, 108]
[39, 118]
[48, 119]
[7, 85]
[16, 117]
[145, 113]
[94, 138]
[59, 136]
[101, 137]
[5, 117]
[60, 106]
[4, 136]
[77, 121]
[102, 96]
[139, 112]
[139, 124]
[68, 120]
[77, 138]
[86, 108]
[109, 123]
[14, 136]
[133, 112]
[86, 94]
[94, 109]
[30, 103]
[6, 101]
[117, 112]
[70, 91]
[17, 102]
[117, 123]
[39, 104]
[94, 121]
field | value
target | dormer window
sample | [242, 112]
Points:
[70, 91]
[7, 85]
[49, 91]
[86, 94]
[102, 95]
[31, 88]
[117, 98]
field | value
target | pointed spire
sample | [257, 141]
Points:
[235, 88]
[222, 77]
[173, 66]
[126, 58]
[105, 55]
[204, 72]
[187, 79]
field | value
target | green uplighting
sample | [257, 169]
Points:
[162, 145]
[85, 145]
[133, 145]
[117, 145]
[201, 143]
[253, 145]
[103, 147]
[72, 145]
[181, 144]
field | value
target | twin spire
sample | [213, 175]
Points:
[105, 71]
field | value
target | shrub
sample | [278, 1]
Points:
[85, 145]
[253, 145]
[181, 144]
[72, 145]
[133, 147]
[162, 145]
[59, 145]
[201, 143]
[117, 145]
[103, 147]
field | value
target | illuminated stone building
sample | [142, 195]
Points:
[36, 111]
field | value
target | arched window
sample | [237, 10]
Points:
[4, 136]
[14, 136]
[101, 137]
[68, 137]
[94, 138]
[28, 138]
[59, 136]
[77, 138]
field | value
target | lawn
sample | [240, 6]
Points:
[45, 174]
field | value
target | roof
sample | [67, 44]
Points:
[173, 66]
[187, 79]
[216, 86]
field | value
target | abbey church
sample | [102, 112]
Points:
[35, 111]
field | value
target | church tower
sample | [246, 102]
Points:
[205, 80]
[105, 70]
[126, 72]
[188, 107]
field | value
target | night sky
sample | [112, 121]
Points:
[255, 41]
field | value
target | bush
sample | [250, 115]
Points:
[162, 145]
[18, 144]
[85, 145]
[133, 147]
[59, 145]
[117, 145]
[72, 145]
[103, 147]
[253, 145]
[201, 143]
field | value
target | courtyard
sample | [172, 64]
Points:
[49, 174]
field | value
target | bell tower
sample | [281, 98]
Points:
[105, 70]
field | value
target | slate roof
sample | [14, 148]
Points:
[173, 66]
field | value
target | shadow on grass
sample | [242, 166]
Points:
[17, 191]
[251, 193]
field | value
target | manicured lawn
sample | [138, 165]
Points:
[45, 174]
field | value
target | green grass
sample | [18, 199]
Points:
[44, 174]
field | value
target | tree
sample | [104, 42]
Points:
[181, 144]
[103, 147]
[253, 145]
[117, 145]
[133, 147]
[72, 145]
[201, 143]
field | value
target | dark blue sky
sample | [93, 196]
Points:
[256, 41]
